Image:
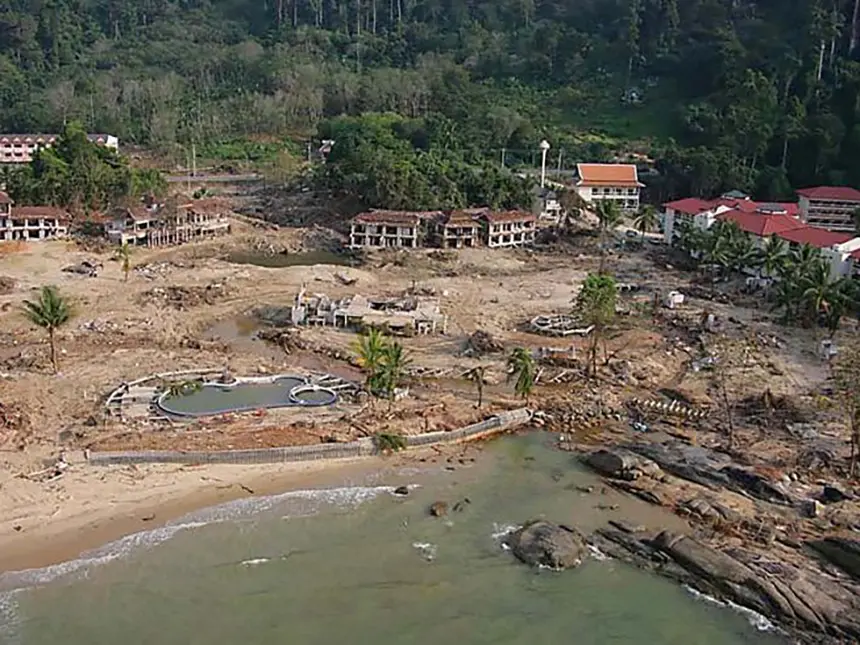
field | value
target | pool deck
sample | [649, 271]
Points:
[140, 400]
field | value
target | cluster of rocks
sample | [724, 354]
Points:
[7, 285]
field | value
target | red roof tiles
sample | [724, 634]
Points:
[834, 193]
[4, 198]
[607, 174]
[690, 205]
[761, 225]
[818, 237]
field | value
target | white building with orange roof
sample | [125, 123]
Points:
[619, 183]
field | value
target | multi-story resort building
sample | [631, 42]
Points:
[19, 148]
[454, 229]
[619, 183]
[830, 207]
[160, 225]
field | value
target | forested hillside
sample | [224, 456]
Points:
[752, 94]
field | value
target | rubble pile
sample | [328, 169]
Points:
[13, 423]
[182, 298]
[7, 285]
[481, 343]
[769, 410]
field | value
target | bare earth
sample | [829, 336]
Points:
[188, 307]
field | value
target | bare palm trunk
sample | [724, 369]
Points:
[53, 345]
[854, 28]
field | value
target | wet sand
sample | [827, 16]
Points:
[47, 523]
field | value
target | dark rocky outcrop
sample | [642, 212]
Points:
[401, 491]
[547, 544]
[621, 464]
[800, 598]
[841, 551]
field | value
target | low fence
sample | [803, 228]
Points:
[361, 448]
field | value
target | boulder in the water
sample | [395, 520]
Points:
[542, 543]
[439, 509]
[401, 490]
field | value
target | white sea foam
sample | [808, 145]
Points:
[254, 561]
[759, 622]
[346, 497]
[427, 550]
[597, 554]
[503, 530]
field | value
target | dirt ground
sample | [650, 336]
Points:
[189, 307]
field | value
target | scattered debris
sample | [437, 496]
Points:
[89, 269]
[7, 285]
[481, 343]
[182, 298]
[559, 325]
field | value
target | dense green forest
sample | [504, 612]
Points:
[755, 94]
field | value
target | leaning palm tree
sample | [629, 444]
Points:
[646, 219]
[370, 349]
[522, 369]
[392, 369]
[743, 253]
[50, 312]
[123, 254]
[477, 376]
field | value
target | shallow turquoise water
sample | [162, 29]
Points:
[358, 565]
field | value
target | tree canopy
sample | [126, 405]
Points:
[79, 174]
[760, 95]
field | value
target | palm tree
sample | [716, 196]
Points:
[476, 375]
[392, 369]
[743, 253]
[50, 312]
[370, 348]
[609, 217]
[772, 257]
[173, 389]
[646, 219]
[805, 258]
[521, 366]
[123, 254]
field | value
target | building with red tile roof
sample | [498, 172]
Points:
[31, 222]
[830, 207]
[759, 224]
[619, 183]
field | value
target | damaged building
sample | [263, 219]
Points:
[407, 315]
[448, 230]
[162, 225]
[28, 223]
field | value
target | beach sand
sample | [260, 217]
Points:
[46, 523]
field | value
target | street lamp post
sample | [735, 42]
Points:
[544, 148]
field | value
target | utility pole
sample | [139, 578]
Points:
[559, 161]
[193, 159]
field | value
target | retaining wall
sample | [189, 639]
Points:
[361, 448]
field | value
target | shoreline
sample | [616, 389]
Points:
[98, 507]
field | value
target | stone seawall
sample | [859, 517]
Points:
[362, 448]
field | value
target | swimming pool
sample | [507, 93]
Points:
[245, 395]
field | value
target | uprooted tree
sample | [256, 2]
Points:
[845, 371]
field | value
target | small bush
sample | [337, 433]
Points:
[386, 442]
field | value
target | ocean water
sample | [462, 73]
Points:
[356, 564]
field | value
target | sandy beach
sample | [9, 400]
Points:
[46, 523]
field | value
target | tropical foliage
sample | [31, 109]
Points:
[384, 361]
[386, 442]
[523, 371]
[50, 312]
[123, 254]
[173, 389]
[758, 94]
[798, 280]
[80, 175]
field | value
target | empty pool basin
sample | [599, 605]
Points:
[244, 396]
